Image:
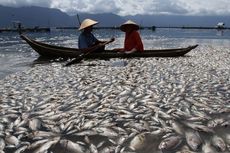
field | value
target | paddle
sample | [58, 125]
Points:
[82, 56]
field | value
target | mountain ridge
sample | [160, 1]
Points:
[50, 17]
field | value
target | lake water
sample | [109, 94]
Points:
[16, 55]
[117, 105]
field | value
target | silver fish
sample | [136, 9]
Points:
[2, 144]
[35, 124]
[37, 143]
[71, 147]
[207, 148]
[170, 143]
[177, 127]
[11, 140]
[199, 127]
[215, 122]
[138, 142]
[218, 143]
[21, 149]
[193, 139]
[93, 148]
[44, 147]
[105, 131]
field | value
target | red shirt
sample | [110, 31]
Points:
[133, 40]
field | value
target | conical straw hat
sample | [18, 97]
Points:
[129, 23]
[87, 23]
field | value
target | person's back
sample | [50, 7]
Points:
[133, 40]
[86, 40]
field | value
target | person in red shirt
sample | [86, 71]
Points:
[133, 40]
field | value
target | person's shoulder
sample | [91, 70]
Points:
[81, 34]
[135, 33]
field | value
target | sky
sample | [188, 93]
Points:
[131, 7]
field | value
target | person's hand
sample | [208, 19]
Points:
[112, 39]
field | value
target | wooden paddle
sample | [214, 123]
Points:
[82, 56]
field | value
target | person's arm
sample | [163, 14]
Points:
[99, 41]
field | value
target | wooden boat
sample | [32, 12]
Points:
[51, 51]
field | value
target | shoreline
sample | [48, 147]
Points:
[48, 29]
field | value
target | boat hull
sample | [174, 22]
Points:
[51, 51]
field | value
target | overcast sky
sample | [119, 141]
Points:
[131, 7]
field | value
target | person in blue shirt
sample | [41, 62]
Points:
[86, 39]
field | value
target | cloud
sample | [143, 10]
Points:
[131, 7]
[19, 3]
[205, 7]
[87, 6]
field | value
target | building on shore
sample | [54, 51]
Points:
[220, 25]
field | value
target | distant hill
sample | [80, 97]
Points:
[47, 17]
[33, 16]
[179, 20]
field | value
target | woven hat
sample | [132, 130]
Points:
[130, 24]
[87, 23]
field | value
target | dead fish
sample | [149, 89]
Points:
[11, 140]
[170, 143]
[227, 138]
[37, 143]
[193, 139]
[2, 127]
[226, 124]
[138, 142]
[90, 124]
[100, 144]
[93, 148]
[185, 149]
[85, 132]
[218, 143]
[105, 131]
[108, 149]
[42, 134]
[17, 121]
[177, 127]
[71, 147]
[207, 148]
[21, 149]
[2, 144]
[215, 122]
[35, 124]
[44, 147]
[199, 127]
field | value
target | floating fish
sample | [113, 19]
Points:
[218, 143]
[138, 142]
[71, 147]
[193, 139]
[170, 143]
